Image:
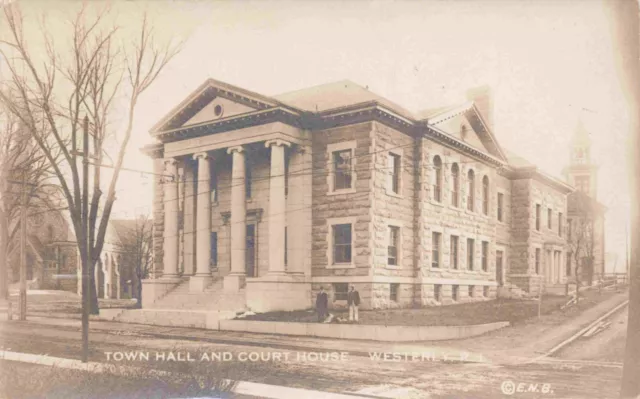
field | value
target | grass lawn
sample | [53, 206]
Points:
[23, 380]
[52, 301]
[513, 310]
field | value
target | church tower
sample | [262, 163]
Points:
[581, 172]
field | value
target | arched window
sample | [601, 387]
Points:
[50, 233]
[471, 188]
[455, 182]
[485, 195]
[437, 184]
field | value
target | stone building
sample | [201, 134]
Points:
[259, 201]
[53, 260]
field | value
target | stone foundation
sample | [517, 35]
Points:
[152, 289]
[278, 293]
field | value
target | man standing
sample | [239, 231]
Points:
[322, 303]
[353, 300]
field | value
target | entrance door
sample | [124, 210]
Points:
[499, 275]
[250, 260]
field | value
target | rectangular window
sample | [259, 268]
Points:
[470, 245]
[341, 243]
[485, 255]
[437, 292]
[582, 184]
[485, 291]
[395, 170]
[538, 217]
[453, 253]
[568, 267]
[569, 229]
[286, 174]
[560, 224]
[393, 291]
[214, 248]
[454, 293]
[471, 288]
[213, 181]
[394, 240]
[435, 249]
[248, 178]
[340, 291]
[537, 260]
[549, 218]
[500, 206]
[342, 169]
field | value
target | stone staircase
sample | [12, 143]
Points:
[212, 298]
[509, 290]
[182, 308]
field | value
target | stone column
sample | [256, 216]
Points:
[238, 221]
[277, 206]
[202, 277]
[189, 213]
[171, 208]
[299, 211]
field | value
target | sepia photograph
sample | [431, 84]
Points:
[319, 199]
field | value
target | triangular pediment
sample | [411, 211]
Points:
[211, 101]
[467, 125]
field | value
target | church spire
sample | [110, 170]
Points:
[581, 172]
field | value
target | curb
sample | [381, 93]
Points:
[577, 335]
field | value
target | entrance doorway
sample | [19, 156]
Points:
[250, 260]
[499, 271]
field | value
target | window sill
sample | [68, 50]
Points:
[394, 267]
[342, 191]
[392, 194]
[436, 203]
[341, 266]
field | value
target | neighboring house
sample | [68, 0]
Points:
[53, 260]
[269, 198]
[583, 206]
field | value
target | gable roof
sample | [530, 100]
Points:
[316, 106]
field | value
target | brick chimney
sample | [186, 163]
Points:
[483, 98]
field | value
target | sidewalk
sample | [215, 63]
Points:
[509, 345]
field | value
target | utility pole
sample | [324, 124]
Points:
[23, 248]
[86, 281]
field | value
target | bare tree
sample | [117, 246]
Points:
[582, 238]
[83, 77]
[22, 167]
[136, 246]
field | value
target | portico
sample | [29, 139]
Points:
[226, 201]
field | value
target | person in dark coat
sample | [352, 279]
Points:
[353, 300]
[322, 303]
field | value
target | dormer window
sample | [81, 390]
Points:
[463, 131]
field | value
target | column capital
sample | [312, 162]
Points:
[203, 155]
[237, 148]
[277, 142]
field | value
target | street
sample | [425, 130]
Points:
[430, 377]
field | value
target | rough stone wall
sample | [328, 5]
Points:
[521, 216]
[158, 216]
[526, 194]
[447, 219]
[393, 209]
[354, 204]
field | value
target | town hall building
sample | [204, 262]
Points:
[259, 201]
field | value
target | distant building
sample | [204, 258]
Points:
[53, 260]
[259, 201]
[585, 212]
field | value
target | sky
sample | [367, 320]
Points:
[548, 63]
